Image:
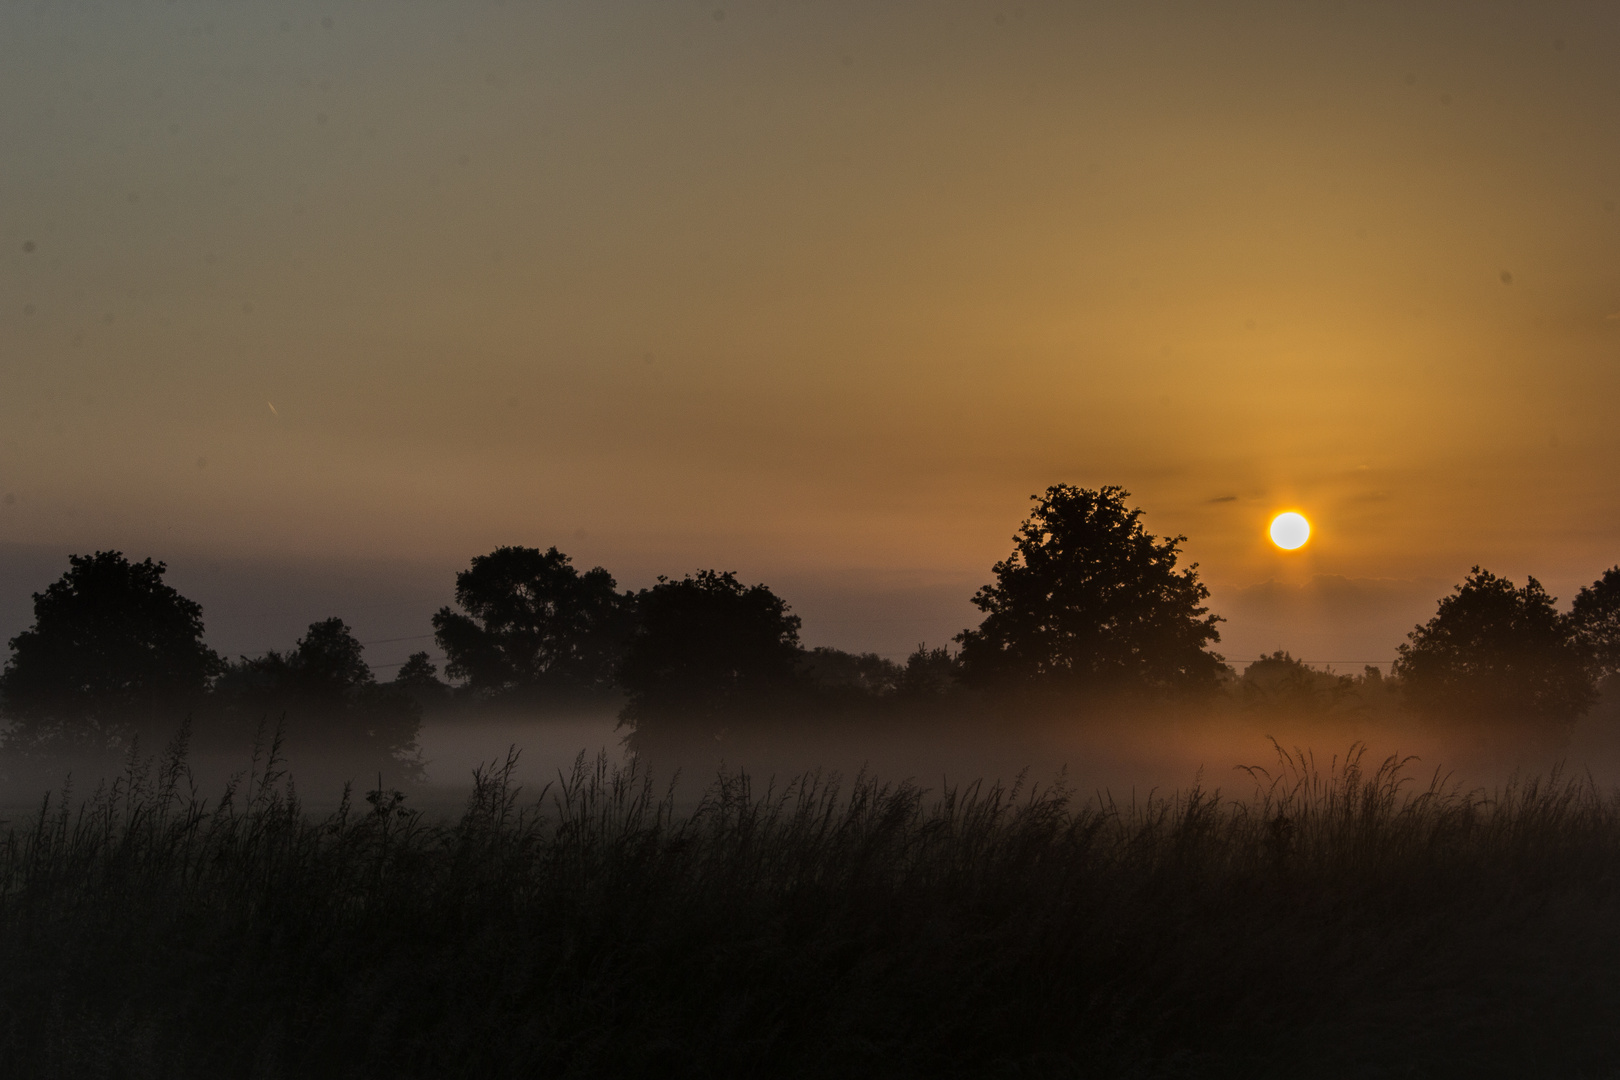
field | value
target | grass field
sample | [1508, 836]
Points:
[1344, 919]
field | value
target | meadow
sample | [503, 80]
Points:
[1344, 917]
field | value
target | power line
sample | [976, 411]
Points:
[417, 637]
[893, 656]
[1298, 660]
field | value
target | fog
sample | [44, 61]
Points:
[1123, 751]
[1120, 753]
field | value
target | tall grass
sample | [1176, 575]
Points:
[1335, 919]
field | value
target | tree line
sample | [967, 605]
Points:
[1088, 602]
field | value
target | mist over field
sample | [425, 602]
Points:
[1117, 750]
[1120, 751]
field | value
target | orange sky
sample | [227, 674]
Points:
[820, 293]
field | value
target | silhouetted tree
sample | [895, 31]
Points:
[1494, 651]
[326, 699]
[534, 625]
[709, 647]
[1595, 615]
[1088, 599]
[418, 676]
[113, 649]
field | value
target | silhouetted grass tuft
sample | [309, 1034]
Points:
[1341, 920]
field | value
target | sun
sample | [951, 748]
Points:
[1290, 530]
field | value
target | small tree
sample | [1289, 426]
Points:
[1089, 599]
[418, 676]
[929, 674]
[113, 649]
[533, 625]
[708, 647]
[1495, 651]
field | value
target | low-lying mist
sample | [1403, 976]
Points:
[1114, 750]
[1123, 749]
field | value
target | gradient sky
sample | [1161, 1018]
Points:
[317, 301]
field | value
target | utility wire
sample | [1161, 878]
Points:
[391, 640]
[1297, 660]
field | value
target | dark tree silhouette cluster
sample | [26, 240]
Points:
[323, 694]
[116, 654]
[1088, 602]
[1281, 684]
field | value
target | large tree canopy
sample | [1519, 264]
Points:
[112, 649]
[533, 622]
[1495, 651]
[1089, 599]
[707, 646]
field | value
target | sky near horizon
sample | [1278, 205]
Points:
[819, 293]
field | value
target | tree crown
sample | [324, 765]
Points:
[533, 620]
[111, 645]
[1495, 650]
[1090, 598]
[707, 643]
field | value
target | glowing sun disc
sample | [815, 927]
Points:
[1290, 530]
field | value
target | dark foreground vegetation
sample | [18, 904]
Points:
[1339, 920]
